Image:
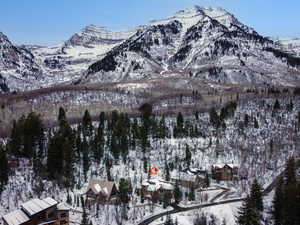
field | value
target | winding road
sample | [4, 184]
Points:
[177, 209]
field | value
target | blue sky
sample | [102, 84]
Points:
[51, 22]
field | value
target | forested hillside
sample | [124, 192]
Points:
[258, 135]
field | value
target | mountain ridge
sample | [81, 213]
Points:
[202, 42]
[189, 40]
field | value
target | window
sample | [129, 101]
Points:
[51, 215]
[42, 216]
[63, 215]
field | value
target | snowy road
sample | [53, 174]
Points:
[178, 209]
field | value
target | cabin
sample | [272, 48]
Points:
[155, 188]
[102, 192]
[190, 178]
[37, 212]
[225, 172]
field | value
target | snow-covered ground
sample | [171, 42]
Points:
[247, 146]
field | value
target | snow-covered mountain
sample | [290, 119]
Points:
[33, 66]
[17, 65]
[67, 61]
[202, 42]
[291, 45]
[93, 35]
[208, 43]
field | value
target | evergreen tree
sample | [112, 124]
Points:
[167, 172]
[145, 163]
[85, 158]
[3, 168]
[87, 126]
[15, 140]
[32, 136]
[166, 199]
[256, 126]
[277, 211]
[214, 118]
[177, 194]
[251, 211]
[124, 189]
[179, 128]
[290, 106]
[61, 154]
[276, 105]
[163, 129]
[256, 196]
[55, 157]
[290, 176]
[146, 110]
[246, 120]
[180, 120]
[207, 181]
[247, 214]
[68, 163]
[169, 220]
[61, 115]
[188, 155]
[213, 220]
[286, 205]
[197, 115]
[200, 220]
[84, 220]
[101, 121]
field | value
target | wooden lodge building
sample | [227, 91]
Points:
[190, 178]
[225, 172]
[37, 212]
[102, 192]
[154, 189]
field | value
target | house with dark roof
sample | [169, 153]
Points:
[190, 177]
[155, 188]
[101, 191]
[225, 172]
[37, 212]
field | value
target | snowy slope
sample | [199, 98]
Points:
[17, 65]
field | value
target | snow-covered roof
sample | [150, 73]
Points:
[187, 176]
[35, 206]
[97, 187]
[221, 165]
[63, 206]
[167, 186]
[16, 217]
[101, 186]
[232, 165]
[155, 184]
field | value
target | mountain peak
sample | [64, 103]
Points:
[3, 37]
[198, 10]
[94, 28]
